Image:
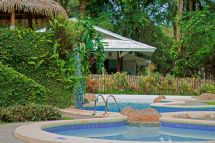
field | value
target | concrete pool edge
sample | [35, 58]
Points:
[171, 117]
[188, 123]
[33, 133]
[180, 104]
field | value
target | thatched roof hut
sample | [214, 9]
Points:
[29, 9]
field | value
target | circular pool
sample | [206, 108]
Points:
[120, 131]
[113, 107]
[189, 124]
[116, 129]
[179, 106]
[174, 106]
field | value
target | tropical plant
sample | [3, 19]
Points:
[77, 43]
[33, 55]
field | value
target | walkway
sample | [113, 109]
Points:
[6, 133]
[7, 130]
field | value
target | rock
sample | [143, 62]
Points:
[206, 96]
[158, 99]
[90, 97]
[146, 115]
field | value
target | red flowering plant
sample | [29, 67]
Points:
[90, 86]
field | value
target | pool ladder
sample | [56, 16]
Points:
[106, 103]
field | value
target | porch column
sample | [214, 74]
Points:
[4, 22]
[30, 22]
[12, 19]
[119, 62]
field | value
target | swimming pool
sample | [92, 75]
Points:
[125, 132]
[159, 107]
[180, 106]
[113, 107]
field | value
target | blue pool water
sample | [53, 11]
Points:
[140, 106]
[168, 109]
[113, 108]
[125, 132]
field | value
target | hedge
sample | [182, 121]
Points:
[17, 89]
[31, 54]
[206, 88]
[31, 112]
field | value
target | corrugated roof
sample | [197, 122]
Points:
[101, 30]
[121, 43]
[126, 45]
[118, 42]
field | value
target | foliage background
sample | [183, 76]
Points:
[51, 58]
[181, 30]
[154, 84]
[30, 54]
[17, 89]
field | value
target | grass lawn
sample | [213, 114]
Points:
[210, 103]
[64, 118]
[2, 123]
[67, 118]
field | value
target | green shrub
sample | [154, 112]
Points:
[206, 88]
[185, 89]
[35, 56]
[29, 112]
[17, 89]
[153, 84]
[121, 81]
[147, 84]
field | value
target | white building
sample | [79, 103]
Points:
[123, 54]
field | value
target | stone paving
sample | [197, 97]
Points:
[6, 133]
[7, 130]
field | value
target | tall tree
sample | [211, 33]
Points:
[160, 23]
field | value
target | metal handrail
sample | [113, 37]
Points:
[96, 105]
[106, 103]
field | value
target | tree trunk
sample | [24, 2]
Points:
[65, 5]
[193, 5]
[82, 6]
[180, 7]
[12, 19]
[175, 29]
[190, 5]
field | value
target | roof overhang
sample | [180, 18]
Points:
[118, 43]
[128, 50]
[121, 43]
[111, 45]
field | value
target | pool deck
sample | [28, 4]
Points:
[7, 130]
[193, 117]
[180, 104]
[89, 113]
[6, 133]
[37, 135]
[147, 98]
